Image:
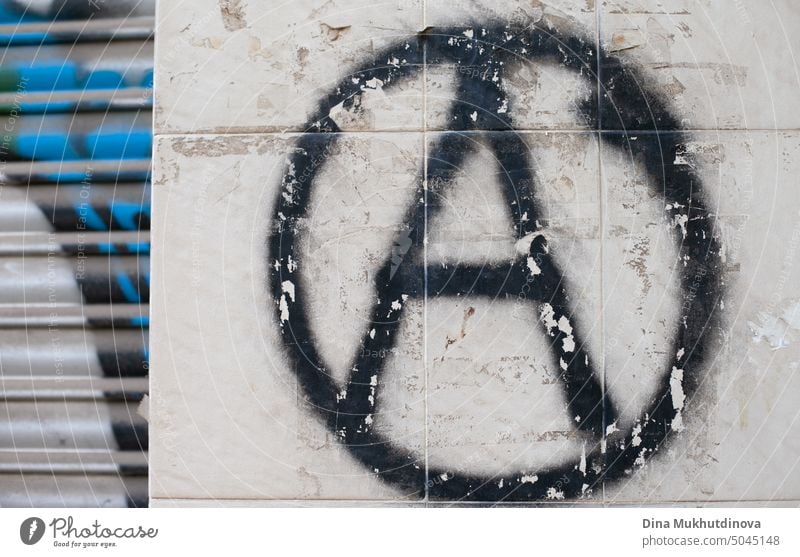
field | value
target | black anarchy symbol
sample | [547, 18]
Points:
[482, 104]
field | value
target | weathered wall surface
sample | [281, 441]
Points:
[460, 251]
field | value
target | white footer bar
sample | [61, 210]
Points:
[332, 531]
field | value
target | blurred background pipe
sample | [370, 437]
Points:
[76, 82]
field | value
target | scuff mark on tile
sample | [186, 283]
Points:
[722, 74]
[254, 49]
[469, 312]
[776, 329]
[626, 40]
[333, 33]
[232, 12]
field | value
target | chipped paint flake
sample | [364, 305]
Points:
[681, 159]
[287, 287]
[396, 305]
[547, 316]
[640, 460]
[534, 268]
[555, 494]
[680, 221]
[568, 342]
[635, 439]
[678, 397]
[284, 307]
[582, 464]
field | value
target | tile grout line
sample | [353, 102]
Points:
[388, 502]
[425, 244]
[601, 192]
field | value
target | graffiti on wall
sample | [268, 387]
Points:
[482, 105]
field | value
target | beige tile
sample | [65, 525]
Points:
[739, 423]
[497, 406]
[229, 417]
[257, 66]
[722, 65]
[542, 90]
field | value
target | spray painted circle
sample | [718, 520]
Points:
[482, 104]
